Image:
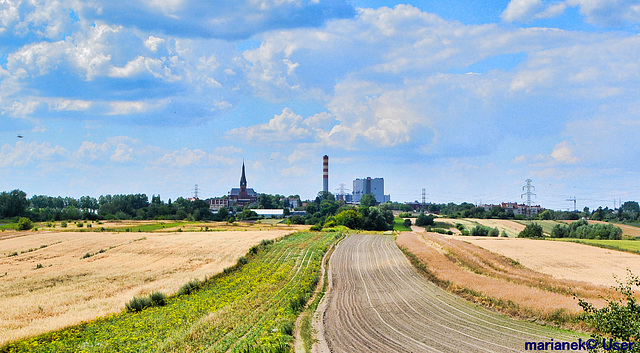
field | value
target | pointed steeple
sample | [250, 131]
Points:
[243, 178]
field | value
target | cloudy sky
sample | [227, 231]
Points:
[462, 98]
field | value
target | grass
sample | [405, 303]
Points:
[632, 246]
[495, 281]
[246, 309]
[306, 320]
[398, 225]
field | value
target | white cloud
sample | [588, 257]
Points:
[91, 151]
[123, 154]
[153, 43]
[183, 157]
[22, 153]
[528, 10]
[563, 154]
[601, 12]
[70, 105]
[287, 126]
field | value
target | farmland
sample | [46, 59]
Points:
[565, 259]
[493, 280]
[59, 279]
[378, 302]
[254, 305]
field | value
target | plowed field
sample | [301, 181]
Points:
[378, 302]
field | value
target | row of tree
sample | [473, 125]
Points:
[583, 230]
[627, 212]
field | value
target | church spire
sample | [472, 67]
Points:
[243, 178]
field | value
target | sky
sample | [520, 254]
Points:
[466, 99]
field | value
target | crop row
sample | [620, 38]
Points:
[250, 308]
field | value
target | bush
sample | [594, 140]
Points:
[480, 230]
[316, 227]
[158, 299]
[494, 232]
[63, 224]
[79, 224]
[242, 261]
[190, 287]
[138, 304]
[24, 223]
[15, 253]
[407, 223]
[532, 230]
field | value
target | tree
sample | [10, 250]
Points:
[368, 200]
[619, 320]
[13, 203]
[532, 230]
[407, 223]
[424, 220]
[350, 218]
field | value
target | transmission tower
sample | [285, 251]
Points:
[573, 198]
[529, 192]
[195, 192]
[342, 191]
[424, 198]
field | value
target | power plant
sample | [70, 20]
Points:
[325, 173]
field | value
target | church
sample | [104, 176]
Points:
[242, 196]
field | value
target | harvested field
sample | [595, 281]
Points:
[497, 281]
[48, 284]
[564, 260]
[512, 228]
[378, 302]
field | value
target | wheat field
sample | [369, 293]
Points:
[46, 284]
[564, 260]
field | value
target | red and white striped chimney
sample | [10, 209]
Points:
[325, 173]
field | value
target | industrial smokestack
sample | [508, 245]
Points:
[325, 173]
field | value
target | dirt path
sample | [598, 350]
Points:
[378, 302]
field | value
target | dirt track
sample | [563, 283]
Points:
[378, 302]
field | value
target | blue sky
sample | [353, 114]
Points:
[466, 99]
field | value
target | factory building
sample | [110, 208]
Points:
[369, 185]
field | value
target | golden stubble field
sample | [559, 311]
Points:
[564, 260]
[48, 285]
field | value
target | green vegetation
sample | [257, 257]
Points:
[632, 246]
[400, 225]
[425, 220]
[24, 223]
[246, 309]
[531, 230]
[583, 230]
[140, 303]
[484, 231]
[619, 320]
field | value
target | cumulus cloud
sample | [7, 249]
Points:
[563, 154]
[287, 126]
[24, 153]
